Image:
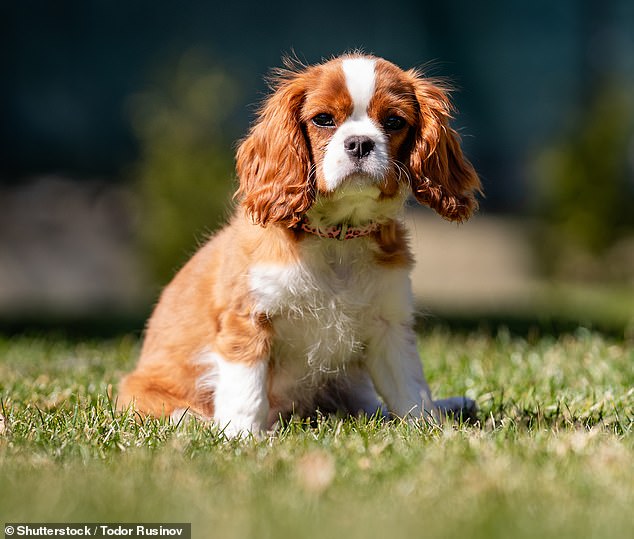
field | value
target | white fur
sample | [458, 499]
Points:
[240, 399]
[396, 369]
[337, 166]
[360, 80]
[338, 315]
[355, 204]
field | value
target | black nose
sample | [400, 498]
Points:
[358, 147]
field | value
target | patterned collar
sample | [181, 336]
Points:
[340, 232]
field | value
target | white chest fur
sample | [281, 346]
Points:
[324, 309]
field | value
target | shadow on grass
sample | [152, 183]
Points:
[521, 325]
[106, 325]
[92, 326]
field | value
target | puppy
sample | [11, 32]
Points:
[303, 301]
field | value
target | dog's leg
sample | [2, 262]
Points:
[154, 391]
[397, 372]
[241, 404]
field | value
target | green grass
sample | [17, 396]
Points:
[552, 455]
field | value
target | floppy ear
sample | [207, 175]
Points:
[273, 162]
[441, 177]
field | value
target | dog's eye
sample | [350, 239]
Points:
[324, 120]
[394, 123]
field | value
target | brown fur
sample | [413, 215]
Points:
[442, 178]
[207, 304]
[273, 162]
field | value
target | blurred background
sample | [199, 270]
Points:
[118, 123]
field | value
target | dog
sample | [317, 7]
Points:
[303, 301]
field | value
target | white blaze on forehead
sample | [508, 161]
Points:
[360, 80]
[338, 165]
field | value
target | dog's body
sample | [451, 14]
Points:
[303, 301]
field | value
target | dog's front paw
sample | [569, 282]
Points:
[458, 408]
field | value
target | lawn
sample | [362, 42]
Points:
[552, 454]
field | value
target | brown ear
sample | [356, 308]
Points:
[441, 177]
[273, 162]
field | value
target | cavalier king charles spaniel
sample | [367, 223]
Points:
[303, 301]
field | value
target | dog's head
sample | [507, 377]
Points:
[355, 121]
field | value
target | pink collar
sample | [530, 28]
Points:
[341, 232]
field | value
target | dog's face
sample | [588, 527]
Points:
[358, 132]
[355, 121]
